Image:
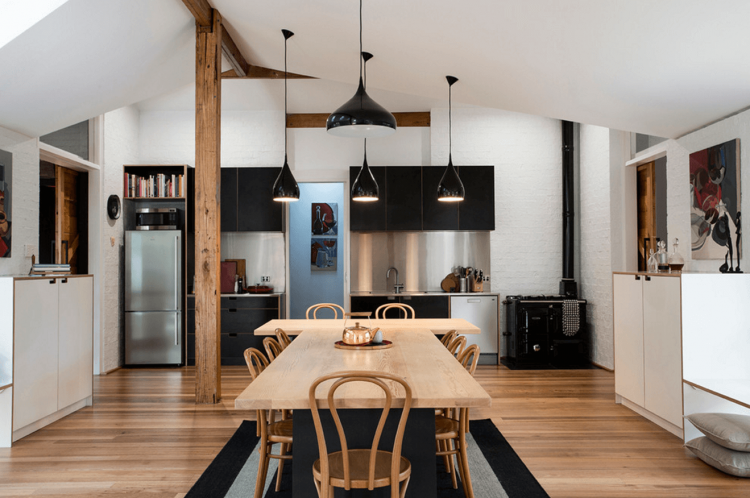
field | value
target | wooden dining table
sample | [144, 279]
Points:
[436, 378]
[437, 326]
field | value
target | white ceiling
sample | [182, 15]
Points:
[662, 67]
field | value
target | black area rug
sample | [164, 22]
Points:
[516, 481]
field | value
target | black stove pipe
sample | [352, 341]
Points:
[568, 286]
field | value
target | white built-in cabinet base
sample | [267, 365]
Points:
[43, 422]
[664, 424]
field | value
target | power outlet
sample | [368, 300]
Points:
[265, 278]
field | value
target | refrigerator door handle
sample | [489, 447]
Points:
[176, 329]
[176, 277]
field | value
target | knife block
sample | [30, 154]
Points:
[475, 286]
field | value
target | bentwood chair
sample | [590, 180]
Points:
[321, 306]
[447, 338]
[456, 346]
[451, 429]
[284, 339]
[380, 312]
[271, 432]
[367, 468]
[272, 347]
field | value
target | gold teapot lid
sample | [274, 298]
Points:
[357, 327]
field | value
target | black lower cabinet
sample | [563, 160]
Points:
[424, 306]
[240, 316]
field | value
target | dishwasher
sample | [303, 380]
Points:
[480, 311]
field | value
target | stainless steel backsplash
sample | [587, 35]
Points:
[423, 259]
[264, 254]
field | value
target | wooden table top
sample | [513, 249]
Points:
[438, 326]
[436, 378]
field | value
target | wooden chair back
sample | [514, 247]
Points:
[380, 312]
[375, 378]
[456, 347]
[469, 358]
[284, 339]
[321, 306]
[272, 347]
[256, 362]
[448, 338]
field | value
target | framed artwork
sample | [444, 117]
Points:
[324, 219]
[324, 254]
[715, 199]
[6, 170]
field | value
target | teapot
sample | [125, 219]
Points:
[358, 335]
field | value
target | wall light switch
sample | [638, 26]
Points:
[112, 241]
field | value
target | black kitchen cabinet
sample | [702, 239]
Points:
[257, 211]
[477, 210]
[436, 215]
[228, 199]
[424, 306]
[403, 198]
[370, 303]
[368, 216]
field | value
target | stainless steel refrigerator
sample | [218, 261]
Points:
[153, 297]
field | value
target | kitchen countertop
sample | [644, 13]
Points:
[273, 294]
[420, 293]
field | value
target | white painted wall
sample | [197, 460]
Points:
[25, 199]
[121, 133]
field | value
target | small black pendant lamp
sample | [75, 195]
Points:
[285, 188]
[361, 117]
[450, 188]
[365, 188]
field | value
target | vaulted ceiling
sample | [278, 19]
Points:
[662, 67]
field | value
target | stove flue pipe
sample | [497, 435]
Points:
[568, 285]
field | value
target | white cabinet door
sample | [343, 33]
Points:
[75, 377]
[662, 348]
[628, 318]
[35, 366]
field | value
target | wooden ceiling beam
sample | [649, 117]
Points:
[403, 119]
[201, 10]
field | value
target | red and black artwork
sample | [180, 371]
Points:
[6, 163]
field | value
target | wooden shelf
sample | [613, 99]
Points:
[734, 390]
[154, 198]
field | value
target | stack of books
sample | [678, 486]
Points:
[159, 185]
[40, 269]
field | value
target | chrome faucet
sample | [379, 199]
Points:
[398, 287]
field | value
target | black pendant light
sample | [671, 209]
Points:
[285, 188]
[365, 188]
[450, 188]
[361, 117]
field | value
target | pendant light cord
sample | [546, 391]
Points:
[360, 38]
[286, 115]
[450, 124]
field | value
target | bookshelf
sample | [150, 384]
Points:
[155, 182]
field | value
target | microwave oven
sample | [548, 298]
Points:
[157, 219]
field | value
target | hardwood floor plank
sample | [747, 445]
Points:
[145, 437]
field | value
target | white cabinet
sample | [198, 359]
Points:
[648, 363]
[51, 350]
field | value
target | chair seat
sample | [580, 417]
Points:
[281, 431]
[359, 468]
[446, 428]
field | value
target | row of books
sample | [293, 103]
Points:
[159, 185]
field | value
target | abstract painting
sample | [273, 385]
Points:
[6, 169]
[324, 218]
[323, 255]
[715, 201]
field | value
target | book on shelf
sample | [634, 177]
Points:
[160, 185]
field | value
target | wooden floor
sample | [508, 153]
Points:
[144, 436]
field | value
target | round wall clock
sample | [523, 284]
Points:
[113, 207]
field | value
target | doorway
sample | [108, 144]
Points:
[316, 252]
[652, 208]
[63, 217]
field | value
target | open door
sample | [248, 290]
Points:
[646, 213]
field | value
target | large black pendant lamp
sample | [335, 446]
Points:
[450, 188]
[285, 188]
[361, 117]
[365, 188]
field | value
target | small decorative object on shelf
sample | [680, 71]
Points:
[653, 264]
[675, 259]
[662, 257]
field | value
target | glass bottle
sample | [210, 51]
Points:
[662, 257]
[653, 264]
[675, 259]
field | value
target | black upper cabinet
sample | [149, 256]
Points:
[403, 198]
[436, 215]
[477, 210]
[368, 216]
[228, 199]
[257, 211]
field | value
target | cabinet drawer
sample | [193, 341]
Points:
[250, 302]
[245, 321]
[191, 302]
[234, 345]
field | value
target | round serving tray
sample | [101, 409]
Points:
[366, 347]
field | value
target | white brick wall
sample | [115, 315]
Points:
[120, 147]
[596, 250]
[25, 199]
[526, 246]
